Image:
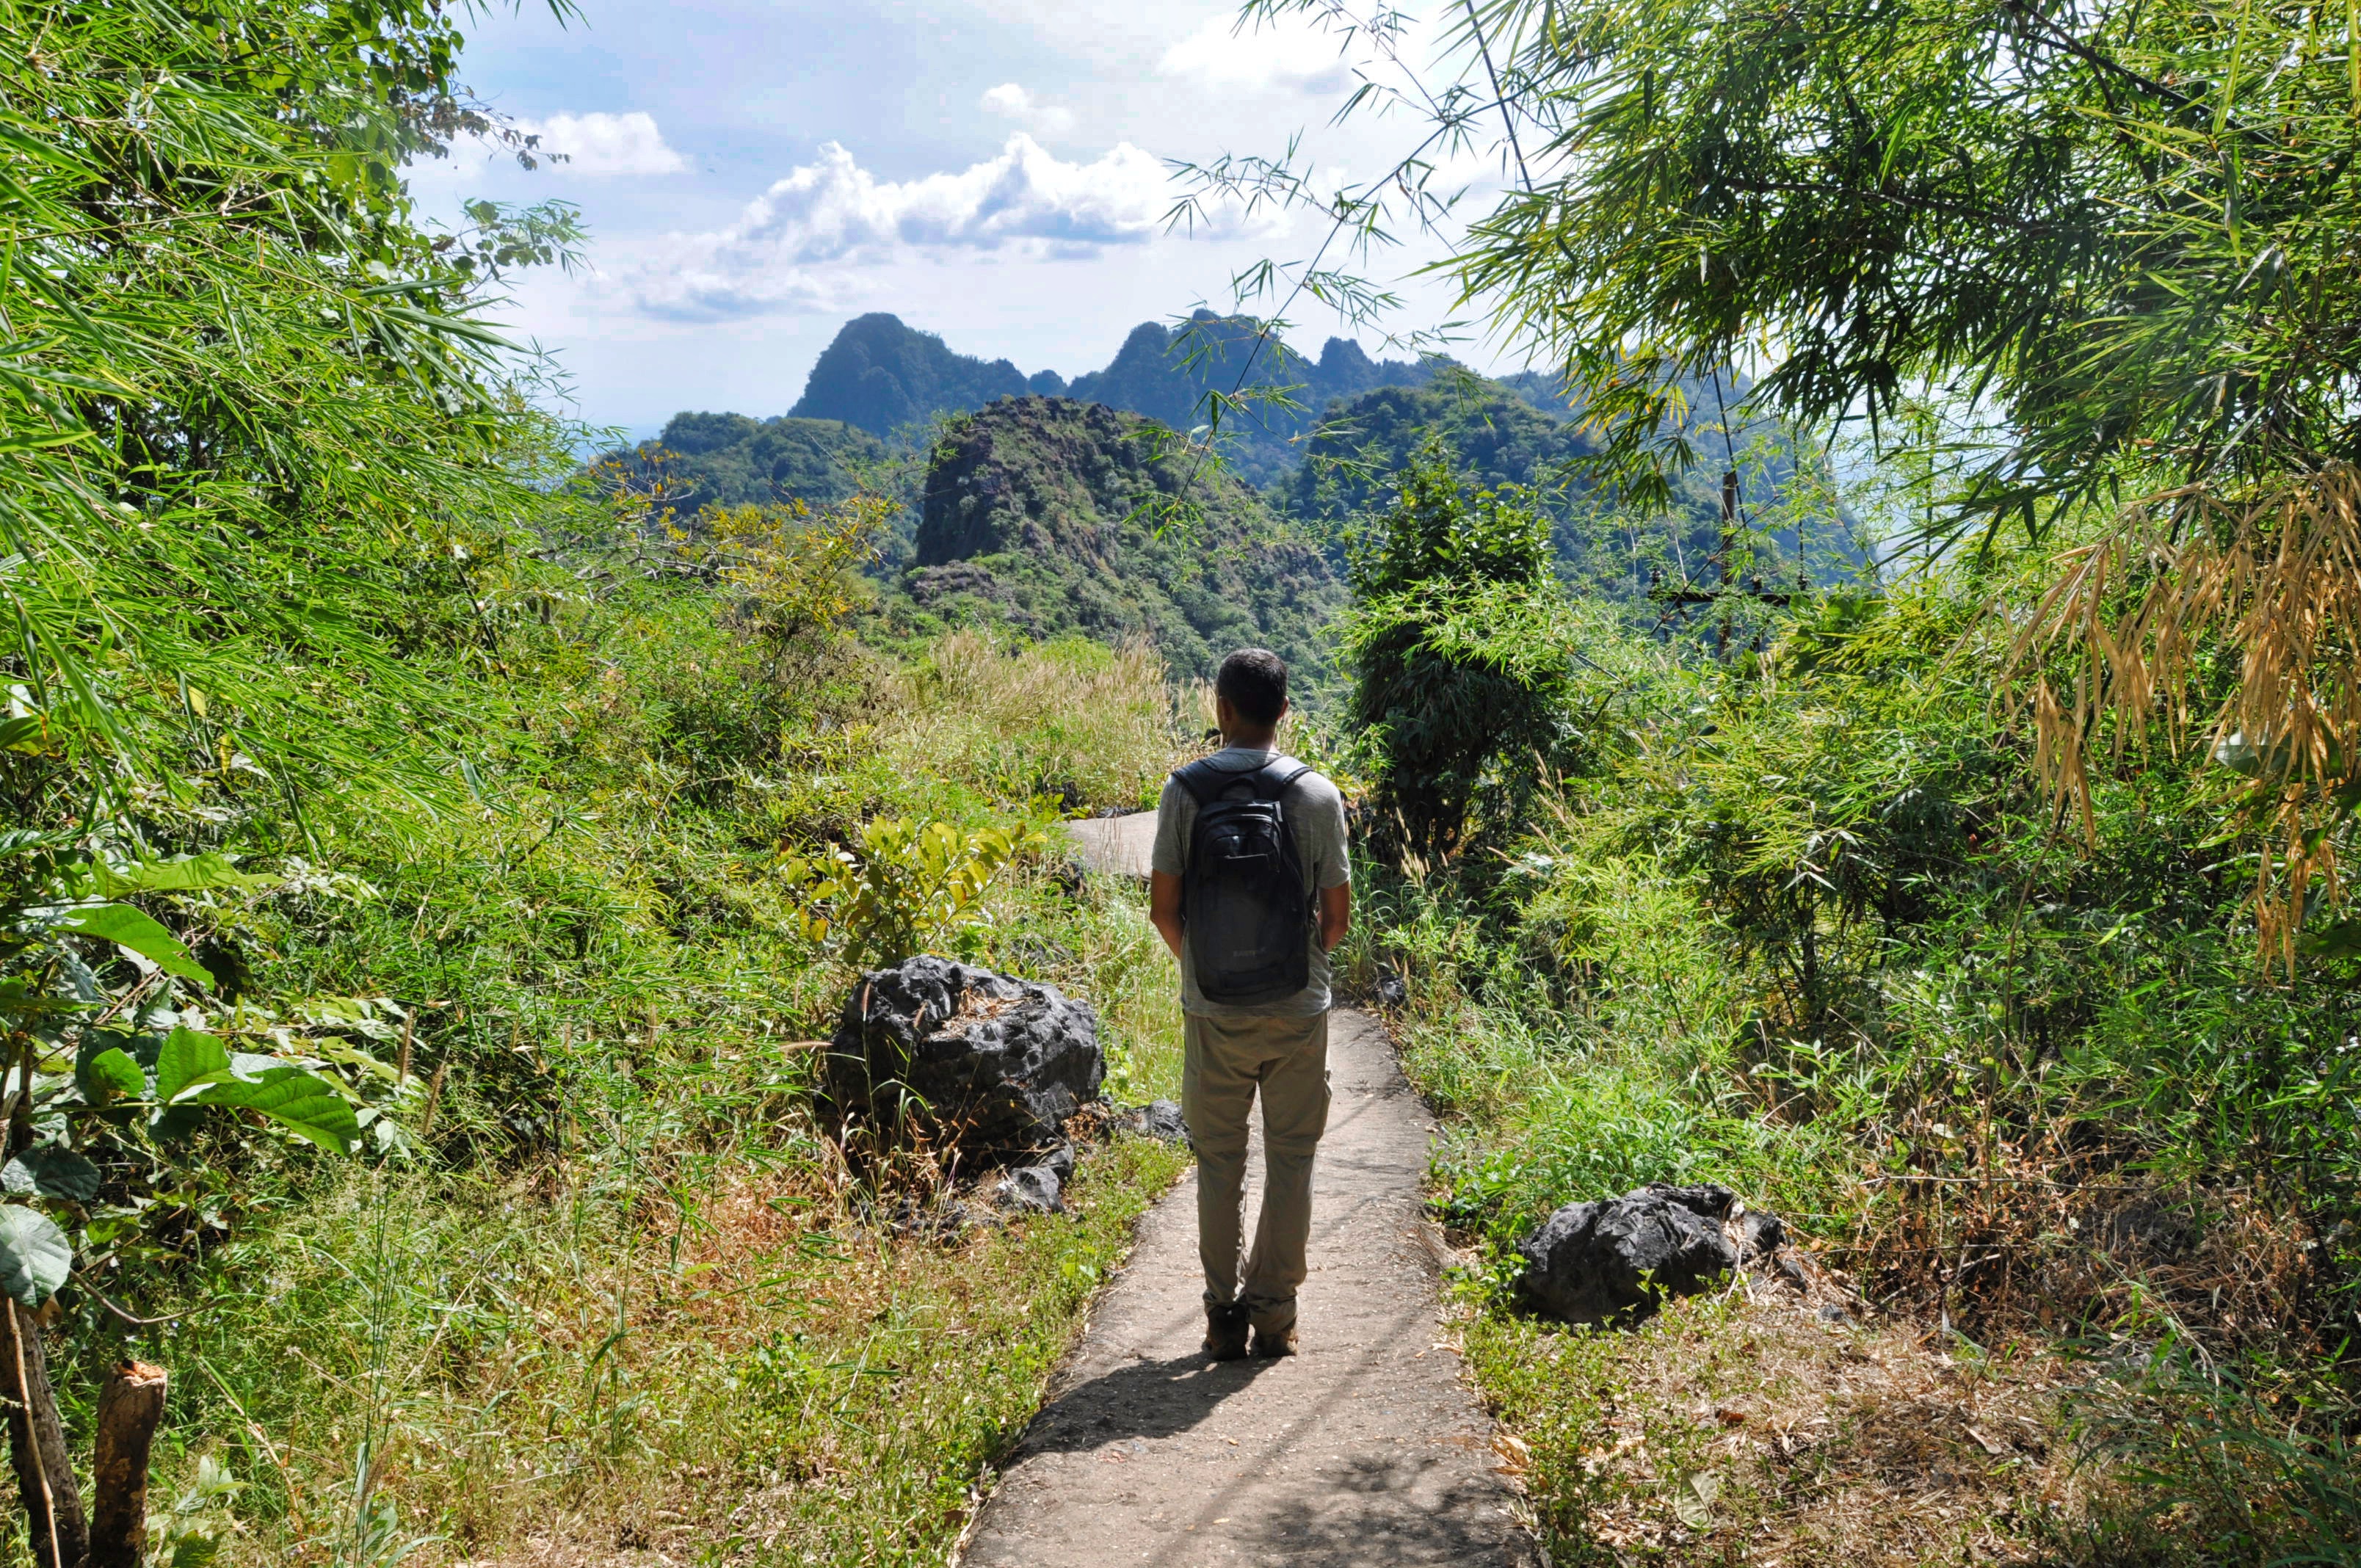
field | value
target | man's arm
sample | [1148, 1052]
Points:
[1164, 909]
[1335, 915]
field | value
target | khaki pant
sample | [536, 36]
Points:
[1226, 1060]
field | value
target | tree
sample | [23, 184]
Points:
[1459, 655]
[264, 485]
[2115, 241]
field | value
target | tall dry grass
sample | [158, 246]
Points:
[1088, 727]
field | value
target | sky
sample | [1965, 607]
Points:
[996, 171]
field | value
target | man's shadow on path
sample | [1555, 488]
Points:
[1144, 1399]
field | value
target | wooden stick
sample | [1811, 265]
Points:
[129, 1406]
[37, 1447]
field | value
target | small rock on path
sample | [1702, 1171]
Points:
[1366, 1447]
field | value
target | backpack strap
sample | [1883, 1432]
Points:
[1205, 783]
[1200, 779]
[1278, 776]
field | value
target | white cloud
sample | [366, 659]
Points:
[598, 144]
[1294, 56]
[1010, 102]
[793, 246]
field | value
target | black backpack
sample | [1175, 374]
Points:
[1242, 892]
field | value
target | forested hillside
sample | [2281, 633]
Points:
[1052, 517]
[704, 460]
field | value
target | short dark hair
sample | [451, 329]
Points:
[1254, 682]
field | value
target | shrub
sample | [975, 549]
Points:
[1458, 642]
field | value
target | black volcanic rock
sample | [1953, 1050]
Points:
[967, 1057]
[1615, 1259]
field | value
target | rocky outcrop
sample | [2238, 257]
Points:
[1053, 518]
[1616, 1259]
[962, 1055]
[883, 377]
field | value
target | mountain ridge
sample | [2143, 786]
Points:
[882, 376]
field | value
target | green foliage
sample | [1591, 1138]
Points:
[1804, 924]
[907, 887]
[1501, 440]
[327, 687]
[1462, 681]
[2109, 228]
[35, 1256]
[260, 439]
[728, 460]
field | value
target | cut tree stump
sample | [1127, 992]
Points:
[37, 1445]
[128, 1410]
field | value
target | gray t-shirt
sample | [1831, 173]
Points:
[1316, 815]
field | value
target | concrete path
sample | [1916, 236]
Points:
[1366, 1448]
[1118, 846]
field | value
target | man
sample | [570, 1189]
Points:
[1250, 888]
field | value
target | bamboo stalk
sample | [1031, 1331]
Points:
[434, 1098]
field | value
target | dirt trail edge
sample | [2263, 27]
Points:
[1365, 1448]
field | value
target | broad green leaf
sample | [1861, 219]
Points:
[35, 1256]
[30, 735]
[185, 1058]
[109, 1076]
[128, 928]
[52, 1172]
[195, 1551]
[302, 1102]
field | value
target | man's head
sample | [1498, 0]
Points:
[1250, 696]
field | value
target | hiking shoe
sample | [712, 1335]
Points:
[1226, 1332]
[1272, 1342]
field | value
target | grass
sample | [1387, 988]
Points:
[1090, 727]
[615, 1299]
[2080, 1159]
[715, 1358]
[1746, 1428]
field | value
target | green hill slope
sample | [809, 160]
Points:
[725, 459]
[1503, 433]
[1032, 521]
